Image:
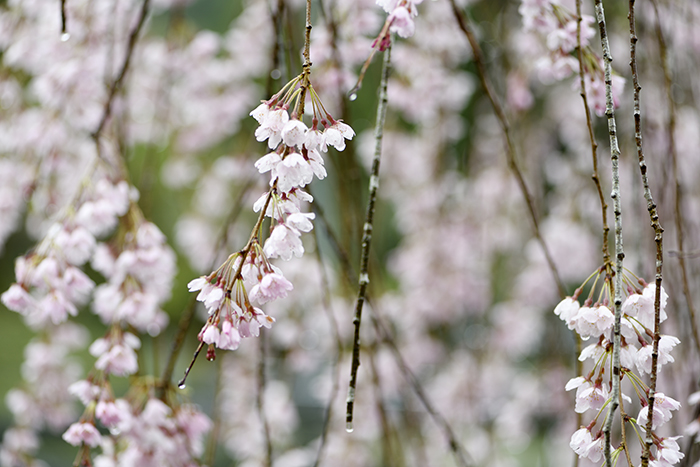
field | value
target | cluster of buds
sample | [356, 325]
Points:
[594, 319]
[247, 278]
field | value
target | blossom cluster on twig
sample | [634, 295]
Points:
[593, 319]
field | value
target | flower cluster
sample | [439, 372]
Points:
[50, 284]
[247, 278]
[593, 391]
[141, 430]
[558, 27]
[140, 267]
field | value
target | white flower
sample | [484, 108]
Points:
[301, 221]
[210, 335]
[271, 127]
[663, 405]
[316, 163]
[294, 133]
[292, 172]
[314, 140]
[268, 162]
[260, 112]
[643, 357]
[593, 321]
[209, 294]
[567, 310]
[335, 135]
[669, 453]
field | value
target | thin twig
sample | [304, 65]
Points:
[619, 252]
[367, 234]
[64, 26]
[457, 449]
[133, 37]
[188, 313]
[655, 224]
[678, 202]
[463, 22]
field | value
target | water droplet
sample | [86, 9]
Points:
[353, 96]
[65, 36]
[275, 74]
[181, 385]
[349, 427]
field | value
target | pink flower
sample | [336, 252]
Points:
[401, 23]
[230, 337]
[85, 391]
[17, 299]
[588, 395]
[271, 287]
[79, 433]
[113, 413]
[284, 242]
[116, 358]
[210, 334]
[77, 245]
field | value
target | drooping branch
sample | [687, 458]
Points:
[619, 251]
[655, 224]
[678, 191]
[367, 235]
[116, 84]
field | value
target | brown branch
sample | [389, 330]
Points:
[133, 37]
[656, 225]
[510, 146]
[678, 202]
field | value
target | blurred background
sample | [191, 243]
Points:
[460, 344]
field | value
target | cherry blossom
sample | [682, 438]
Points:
[82, 433]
